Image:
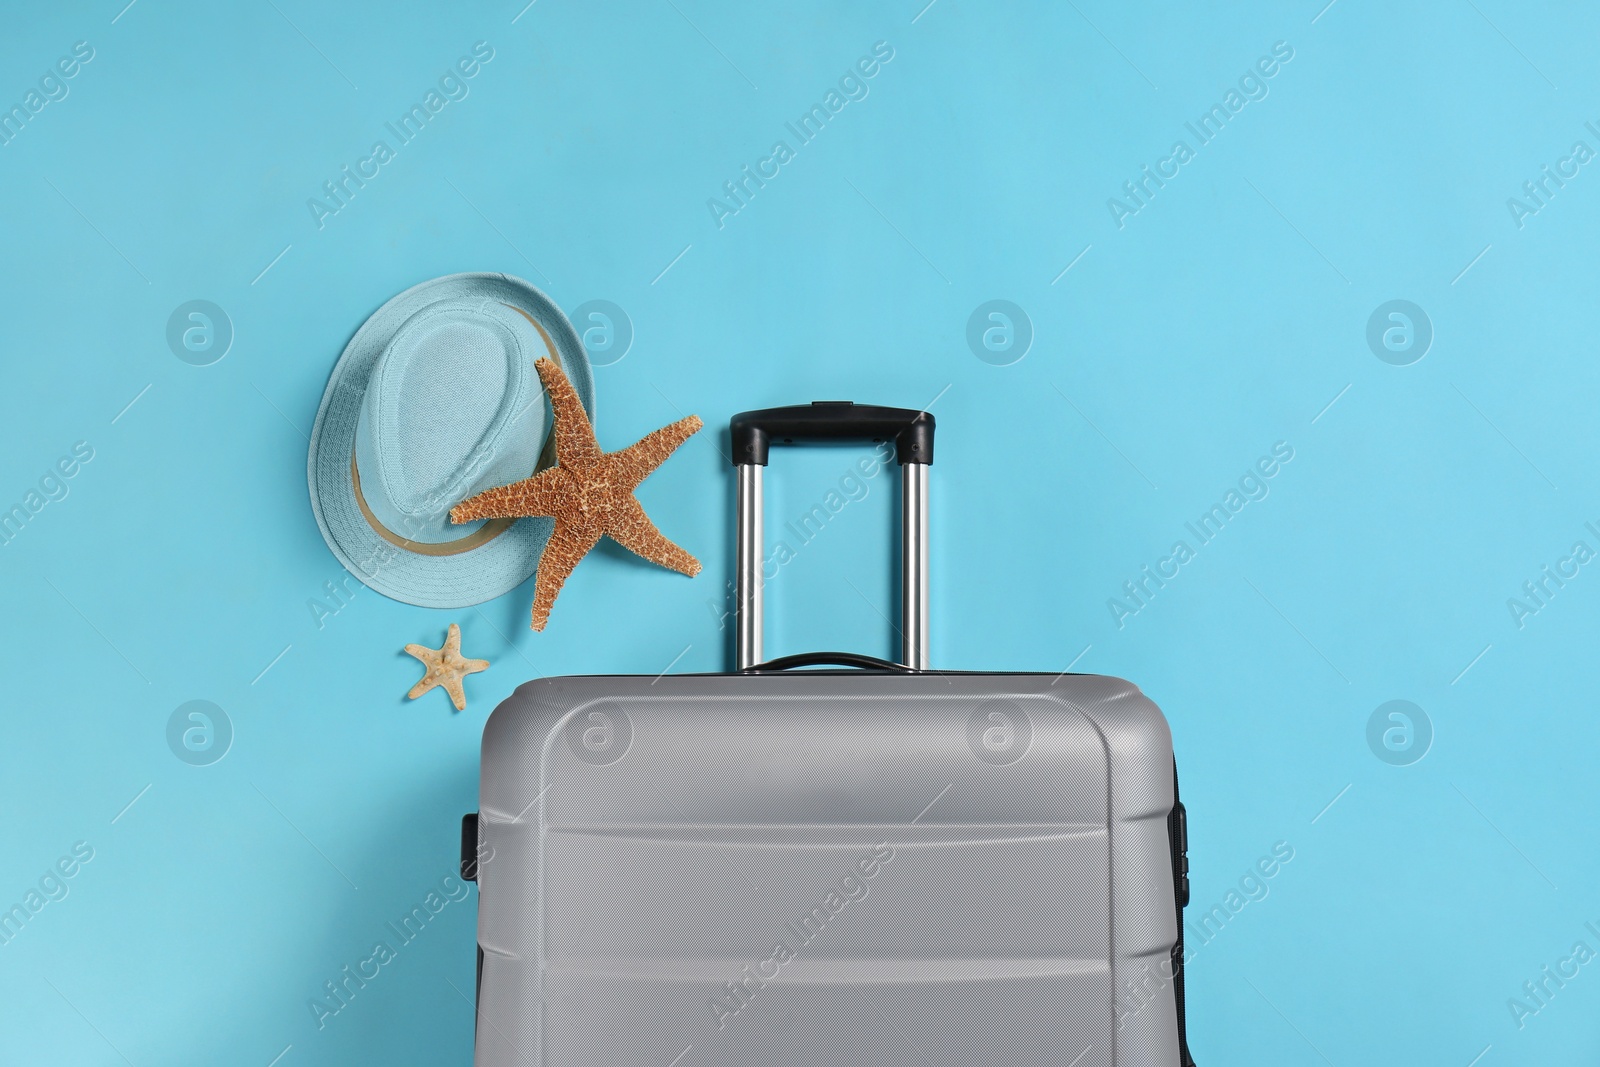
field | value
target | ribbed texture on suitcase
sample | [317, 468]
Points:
[935, 870]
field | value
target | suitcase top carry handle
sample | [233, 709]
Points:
[834, 420]
[830, 659]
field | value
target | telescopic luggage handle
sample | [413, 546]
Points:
[834, 420]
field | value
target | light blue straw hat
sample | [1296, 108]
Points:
[436, 399]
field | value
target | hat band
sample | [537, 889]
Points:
[481, 536]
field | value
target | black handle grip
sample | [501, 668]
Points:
[469, 847]
[832, 420]
[830, 659]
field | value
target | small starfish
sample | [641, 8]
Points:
[446, 667]
[589, 493]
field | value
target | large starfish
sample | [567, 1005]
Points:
[589, 493]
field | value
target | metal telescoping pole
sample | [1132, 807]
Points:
[914, 564]
[747, 578]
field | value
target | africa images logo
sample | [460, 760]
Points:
[452, 87]
[53, 88]
[1251, 486]
[740, 991]
[851, 87]
[600, 734]
[1539, 191]
[1252, 86]
[999, 732]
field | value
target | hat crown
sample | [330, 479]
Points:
[460, 409]
[453, 408]
[457, 372]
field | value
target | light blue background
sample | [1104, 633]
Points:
[1223, 318]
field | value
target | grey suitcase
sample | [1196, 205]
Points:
[882, 865]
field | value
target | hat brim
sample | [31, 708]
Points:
[430, 581]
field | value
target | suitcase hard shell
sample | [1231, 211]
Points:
[883, 866]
